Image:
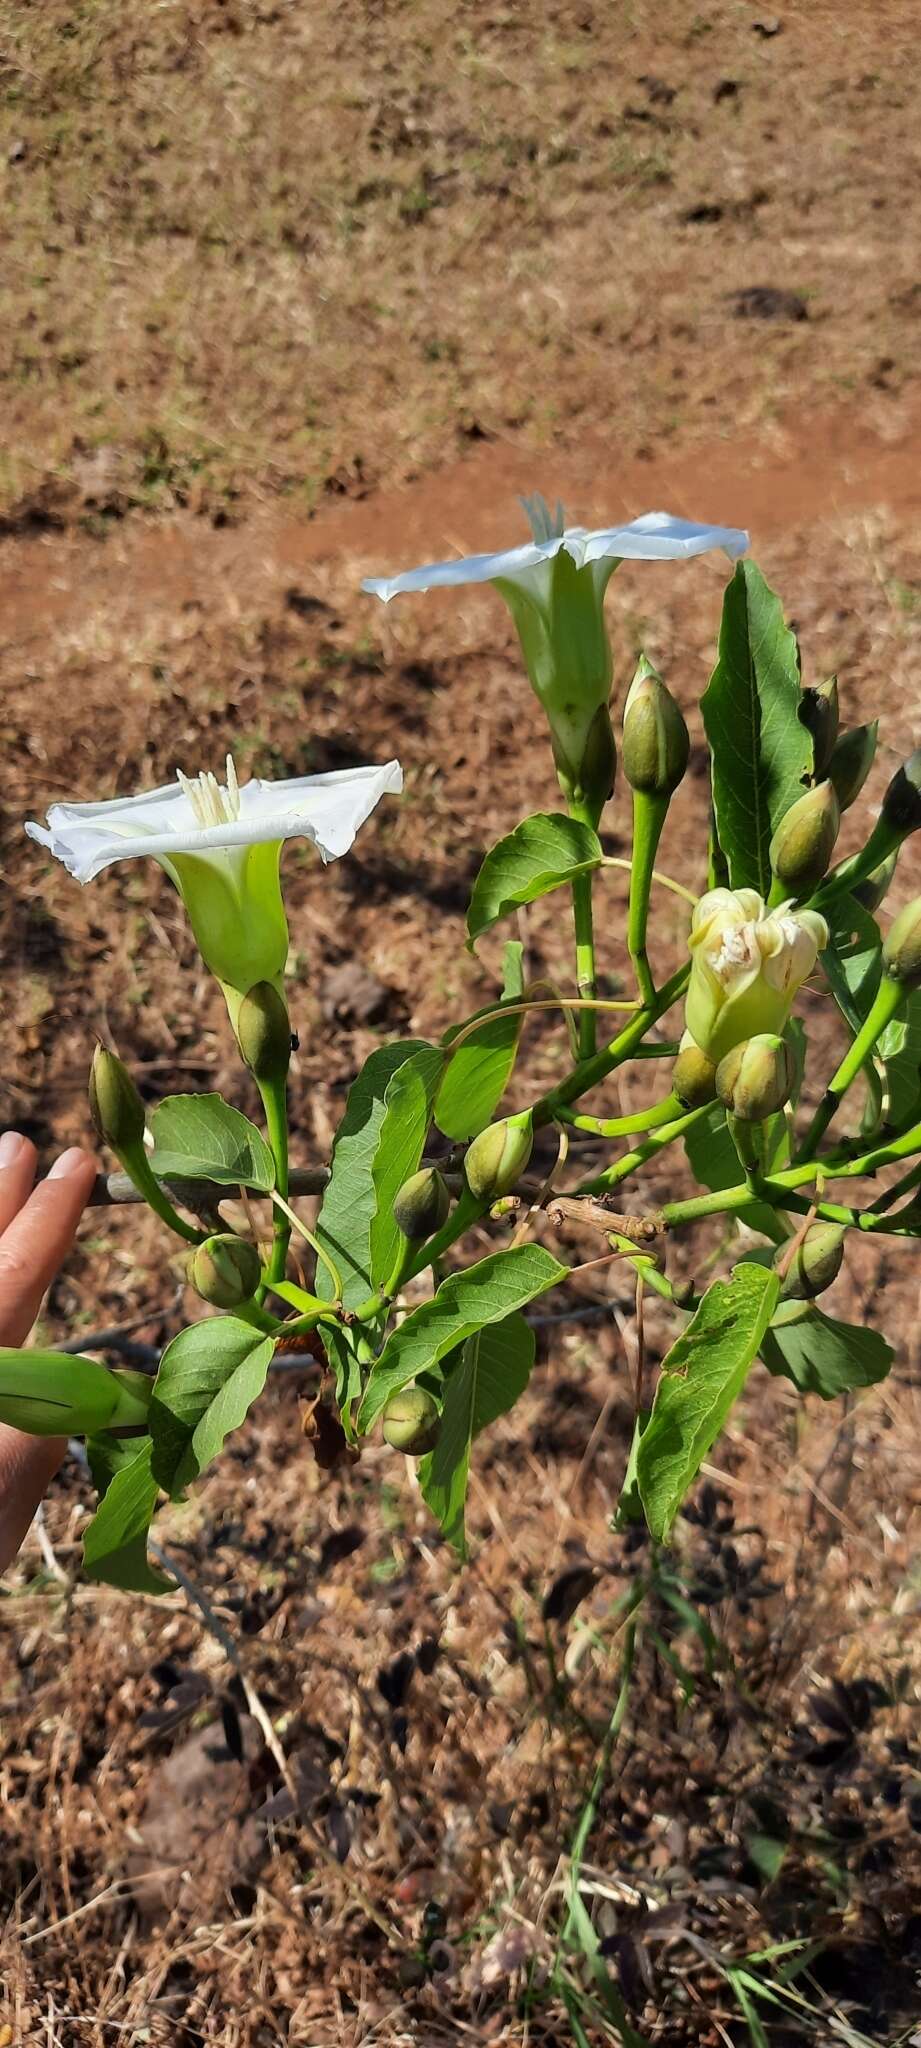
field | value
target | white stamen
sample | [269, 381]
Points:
[211, 803]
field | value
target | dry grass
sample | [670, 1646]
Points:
[251, 247]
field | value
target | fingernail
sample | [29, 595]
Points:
[11, 1145]
[68, 1163]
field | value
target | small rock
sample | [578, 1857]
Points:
[767, 302]
[767, 25]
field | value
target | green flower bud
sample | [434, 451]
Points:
[902, 946]
[851, 761]
[115, 1105]
[819, 713]
[693, 1076]
[411, 1422]
[225, 1270]
[815, 1264]
[755, 1078]
[422, 1205]
[804, 841]
[656, 741]
[49, 1393]
[263, 1030]
[870, 892]
[591, 777]
[901, 806]
[497, 1158]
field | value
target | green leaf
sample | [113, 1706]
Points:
[542, 853]
[900, 1046]
[465, 1302]
[477, 1077]
[852, 960]
[350, 1200]
[408, 1099]
[701, 1376]
[493, 1370]
[761, 751]
[201, 1137]
[208, 1379]
[824, 1356]
[714, 1162]
[344, 1364]
[115, 1541]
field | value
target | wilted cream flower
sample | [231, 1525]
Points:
[746, 966]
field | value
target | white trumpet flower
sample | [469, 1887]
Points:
[554, 586]
[220, 843]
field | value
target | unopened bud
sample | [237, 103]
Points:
[755, 1078]
[694, 1076]
[902, 946]
[851, 761]
[656, 742]
[49, 1393]
[870, 892]
[422, 1205]
[411, 1422]
[815, 1263]
[819, 713]
[804, 841]
[115, 1105]
[497, 1159]
[591, 777]
[225, 1270]
[264, 1032]
[901, 806]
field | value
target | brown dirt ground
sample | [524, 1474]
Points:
[199, 198]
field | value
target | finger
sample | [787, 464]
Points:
[17, 1173]
[38, 1241]
[27, 1463]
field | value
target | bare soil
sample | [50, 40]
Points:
[297, 294]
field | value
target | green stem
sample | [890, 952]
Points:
[589, 1072]
[748, 1140]
[848, 873]
[623, 1126]
[259, 1318]
[903, 1186]
[889, 999]
[467, 1211]
[649, 815]
[275, 1104]
[613, 1175]
[141, 1173]
[583, 923]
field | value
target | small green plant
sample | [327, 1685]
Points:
[775, 912]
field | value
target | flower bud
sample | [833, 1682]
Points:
[815, 1264]
[422, 1205]
[819, 713]
[411, 1422]
[693, 1075]
[901, 806]
[497, 1159]
[115, 1105]
[264, 1032]
[902, 946]
[591, 777]
[870, 892]
[50, 1393]
[851, 761]
[755, 1078]
[225, 1270]
[656, 743]
[804, 841]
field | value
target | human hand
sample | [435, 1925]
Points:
[37, 1229]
